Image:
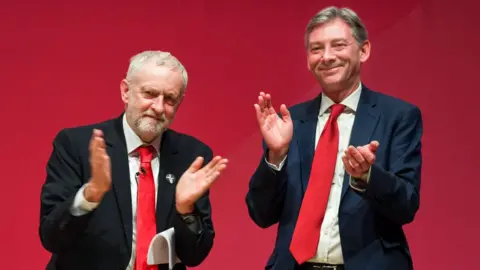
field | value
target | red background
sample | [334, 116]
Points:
[61, 65]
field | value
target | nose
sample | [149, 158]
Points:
[328, 55]
[158, 105]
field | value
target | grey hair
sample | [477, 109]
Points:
[160, 58]
[347, 15]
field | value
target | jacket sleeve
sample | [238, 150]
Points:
[396, 193]
[266, 192]
[58, 227]
[194, 234]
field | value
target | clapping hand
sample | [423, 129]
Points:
[196, 181]
[276, 131]
[101, 175]
[358, 160]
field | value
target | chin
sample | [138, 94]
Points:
[151, 129]
[331, 83]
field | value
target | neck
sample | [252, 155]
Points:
[148, 138]
[338, 95]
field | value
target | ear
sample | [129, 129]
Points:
[124, 88]
[307, 51]
[365, 51]
[180, 102]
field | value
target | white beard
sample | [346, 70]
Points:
[150, 126]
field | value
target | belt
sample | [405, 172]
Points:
[321, 266]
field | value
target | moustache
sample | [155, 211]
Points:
[158, 118]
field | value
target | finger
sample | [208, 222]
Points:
[374, 146]
[353, 162]
[261, 102]
[93, 142]
[96, 140]
[268, 104]
[268, 100]
[98, 132]
[285, 113]
[209, 180]
[362, 163]
[219, 167]
[347, 165]
[367, 154]
[259, 114]
[196, 165]
[100, 142]
[211, 164]
[266, 107]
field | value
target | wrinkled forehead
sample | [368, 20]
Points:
[158, 78]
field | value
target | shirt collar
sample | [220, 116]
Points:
[351, 102]
[133, 141]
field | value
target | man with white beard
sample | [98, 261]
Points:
[111, 186]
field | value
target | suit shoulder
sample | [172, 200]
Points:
[393, 102]
[397, 107]
[300, 105]
[186, 140]
[300, 108]
[81, 132]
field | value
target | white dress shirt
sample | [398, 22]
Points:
[329, 248]
[81, 206]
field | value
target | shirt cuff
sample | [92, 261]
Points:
[275, 167]
[360, 184]
[80, 205]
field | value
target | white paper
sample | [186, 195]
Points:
[162, 249]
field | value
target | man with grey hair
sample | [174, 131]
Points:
[112, 186]
[340, 173]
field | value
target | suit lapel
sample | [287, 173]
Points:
[117, 150]
[366, 120]
[306, 138]
[170, 165]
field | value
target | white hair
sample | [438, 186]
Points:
[160, 58]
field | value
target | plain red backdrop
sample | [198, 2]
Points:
[62, 63]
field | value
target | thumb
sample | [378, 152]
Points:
[373, 146]
[196, 165]
[285, 113]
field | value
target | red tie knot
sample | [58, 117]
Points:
[337, 109]
[146, 153]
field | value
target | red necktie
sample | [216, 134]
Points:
[146, 219]
[307, 230]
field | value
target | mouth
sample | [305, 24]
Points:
[329, 71]
[153, 117]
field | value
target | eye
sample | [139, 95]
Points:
[339, 46]
[315, 49]
[171, 100]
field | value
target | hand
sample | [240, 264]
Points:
[357, 161]
[195, 182]
[277, 132]
[101, 176]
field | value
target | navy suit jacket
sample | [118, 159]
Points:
[370, 222]
[102, 239]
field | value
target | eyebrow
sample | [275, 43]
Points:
[148, 88]
[333, 40]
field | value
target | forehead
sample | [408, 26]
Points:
[332, 30]
[160, 78]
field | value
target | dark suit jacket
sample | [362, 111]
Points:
[102, 239]
[370, 222]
